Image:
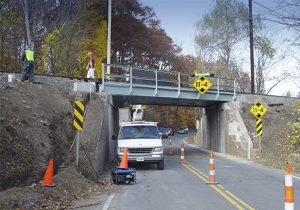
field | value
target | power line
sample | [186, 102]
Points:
[280, 16]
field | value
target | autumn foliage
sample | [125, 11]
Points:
[63, 32]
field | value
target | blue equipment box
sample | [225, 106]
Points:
[123, 175]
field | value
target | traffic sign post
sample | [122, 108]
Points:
[202, 84]
[78, 124]
[258, 111]
[259, 130]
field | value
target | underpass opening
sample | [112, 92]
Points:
[205, 118]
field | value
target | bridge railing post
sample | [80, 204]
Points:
[156, 83]
[179, 84]
[130, 74]
[218, 83]
[234, 89]
[103, 74]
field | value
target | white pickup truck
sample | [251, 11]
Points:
[143, 142]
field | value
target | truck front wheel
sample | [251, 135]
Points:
[161, 165]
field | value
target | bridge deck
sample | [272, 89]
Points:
[152, 84]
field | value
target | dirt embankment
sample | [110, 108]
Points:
[280, 140]
[35, 125]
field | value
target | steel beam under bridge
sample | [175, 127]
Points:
[152, 86]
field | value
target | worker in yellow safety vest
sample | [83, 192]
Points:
[28, 59]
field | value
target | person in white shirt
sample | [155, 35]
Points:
[91, 66]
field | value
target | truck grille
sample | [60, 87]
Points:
[139, 150]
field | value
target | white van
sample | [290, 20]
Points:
[143, 142]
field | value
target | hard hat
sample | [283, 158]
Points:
[90, 53]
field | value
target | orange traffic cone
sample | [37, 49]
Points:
[182, 154]
[124, 160]
[212, 173]
[170, 147]
[288, 188]
[48, 178]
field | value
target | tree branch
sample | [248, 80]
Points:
[2, 5]
[278, 81]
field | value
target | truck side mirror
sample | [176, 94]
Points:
[114, 137]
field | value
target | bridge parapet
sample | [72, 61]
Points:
[135, 81]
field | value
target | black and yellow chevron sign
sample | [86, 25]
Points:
[78, 115]
[259, 129]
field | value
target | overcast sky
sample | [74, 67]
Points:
[178, 18]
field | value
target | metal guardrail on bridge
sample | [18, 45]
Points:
[134, 81]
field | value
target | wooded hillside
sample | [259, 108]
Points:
[63, 32]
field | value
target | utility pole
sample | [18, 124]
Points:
[251, 47]
[109, 36]
[24, 5]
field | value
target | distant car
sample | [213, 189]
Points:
[181, 130]
[186, 129]
[164, 132]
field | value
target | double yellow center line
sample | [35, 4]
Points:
[229, 196]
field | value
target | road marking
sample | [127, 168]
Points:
[229, 196]
[202, 174]
[107, 203]
[216, 189]
[238, 199]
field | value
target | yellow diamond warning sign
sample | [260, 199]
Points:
[258, 110]
[202, 84]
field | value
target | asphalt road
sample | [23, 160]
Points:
[243, 185]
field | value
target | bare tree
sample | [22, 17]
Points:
[265, 53]
[221, 29]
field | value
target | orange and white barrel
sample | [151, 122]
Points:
[182, 154]
[212, 172]
[288, 188]
[170, 147]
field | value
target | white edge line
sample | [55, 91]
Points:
[296, 177]
[107, 203]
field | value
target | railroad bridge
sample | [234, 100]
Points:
[156, 87]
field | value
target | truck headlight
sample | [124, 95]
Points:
[157, 149]
[121, 149]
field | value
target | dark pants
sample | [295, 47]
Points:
[27, 72]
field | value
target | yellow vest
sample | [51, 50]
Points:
[29, 55]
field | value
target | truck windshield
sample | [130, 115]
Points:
[139, 132]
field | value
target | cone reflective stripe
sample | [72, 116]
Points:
[212, 172]
[170, 148]
[124, 160]
[288, 189]
[48, 177]
[182, 154]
